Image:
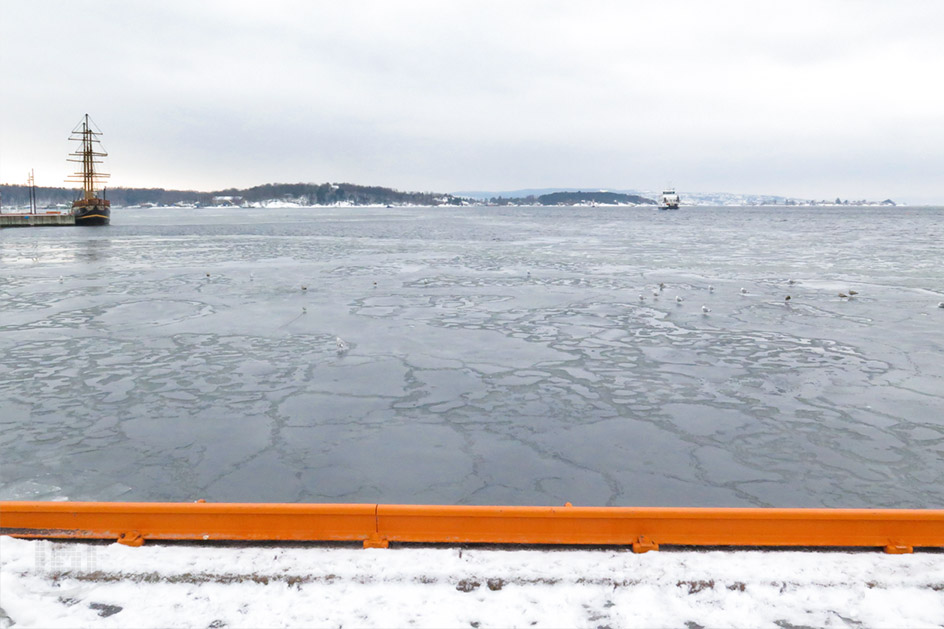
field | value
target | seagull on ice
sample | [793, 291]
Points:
[941, 304]
[342, 346]
[304, 287]
[705, 309]
[853, 292]
[304, 309]
[843, 296]
[661, 285]
[641, 298]
[208, 275]
[678, 299]
[60, 279]
[252, 277]
[743, 291]
[711, 288]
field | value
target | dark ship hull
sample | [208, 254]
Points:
[92, 212]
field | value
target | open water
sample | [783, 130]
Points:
[490, 356]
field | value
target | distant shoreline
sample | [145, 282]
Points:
[354, 195]
[285, 206]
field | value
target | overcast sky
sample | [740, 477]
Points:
[810, 99]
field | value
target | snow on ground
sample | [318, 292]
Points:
[64, 584]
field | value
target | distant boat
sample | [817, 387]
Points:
[90, 209]
[670, 200]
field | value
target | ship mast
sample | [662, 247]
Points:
[31, 181]
[87, 133]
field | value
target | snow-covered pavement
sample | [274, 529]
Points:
[54, 584]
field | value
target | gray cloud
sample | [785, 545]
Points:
[813, 99]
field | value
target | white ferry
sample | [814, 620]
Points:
[670, 200]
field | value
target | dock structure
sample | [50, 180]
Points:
[36, 220]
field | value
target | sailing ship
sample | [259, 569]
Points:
[670, 200]
[89, 209]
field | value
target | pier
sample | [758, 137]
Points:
[36, 220]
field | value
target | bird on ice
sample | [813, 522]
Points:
[342, 346]
[208, 275]
[853, 292]
[941, 304]
[661, 285]
[711, 288]
[60, 279]
[304, 287]
[791, 282]
[787, 298]
[843, 296]
[252, 277]
[743, 291]
[678, 299]
[641, 298]
[705, 309]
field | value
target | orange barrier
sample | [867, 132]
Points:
[133, 522]
[895, 530]
[646, 528]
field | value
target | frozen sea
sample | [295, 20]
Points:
[491, 356]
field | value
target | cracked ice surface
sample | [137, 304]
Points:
[493, 356]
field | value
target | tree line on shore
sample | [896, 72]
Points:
[17, 196]
[302, 193]
[574, 198]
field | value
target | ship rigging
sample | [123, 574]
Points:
[89, 209]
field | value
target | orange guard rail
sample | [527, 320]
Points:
[895, 530]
